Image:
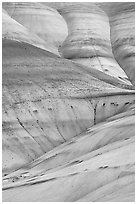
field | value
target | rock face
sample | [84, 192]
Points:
[121, 17]
[44, 22]
[84, 33]
[68, 128]
[88, 40]
[122, 22]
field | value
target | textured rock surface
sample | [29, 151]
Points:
[44, 22]
[120, 32]
[122, 22]
[88, 41]
[68, 128]
[84, 33]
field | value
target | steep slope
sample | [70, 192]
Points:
[41, 20]
[122, 25]
[95, 166]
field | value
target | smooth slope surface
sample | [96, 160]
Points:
[98, 165]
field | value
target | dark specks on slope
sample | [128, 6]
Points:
[43, 181]
[127, 103]
[104, 104]
[73, 174]
[103, 167]
[30, 184]
[115, 104]
[75, 162]
[21, 124]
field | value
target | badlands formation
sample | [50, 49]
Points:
[68, 102]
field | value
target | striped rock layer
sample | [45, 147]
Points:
[88, 40]
[121, 28]
[122, 23]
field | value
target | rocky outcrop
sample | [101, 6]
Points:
[88, 40]
[42, 21]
